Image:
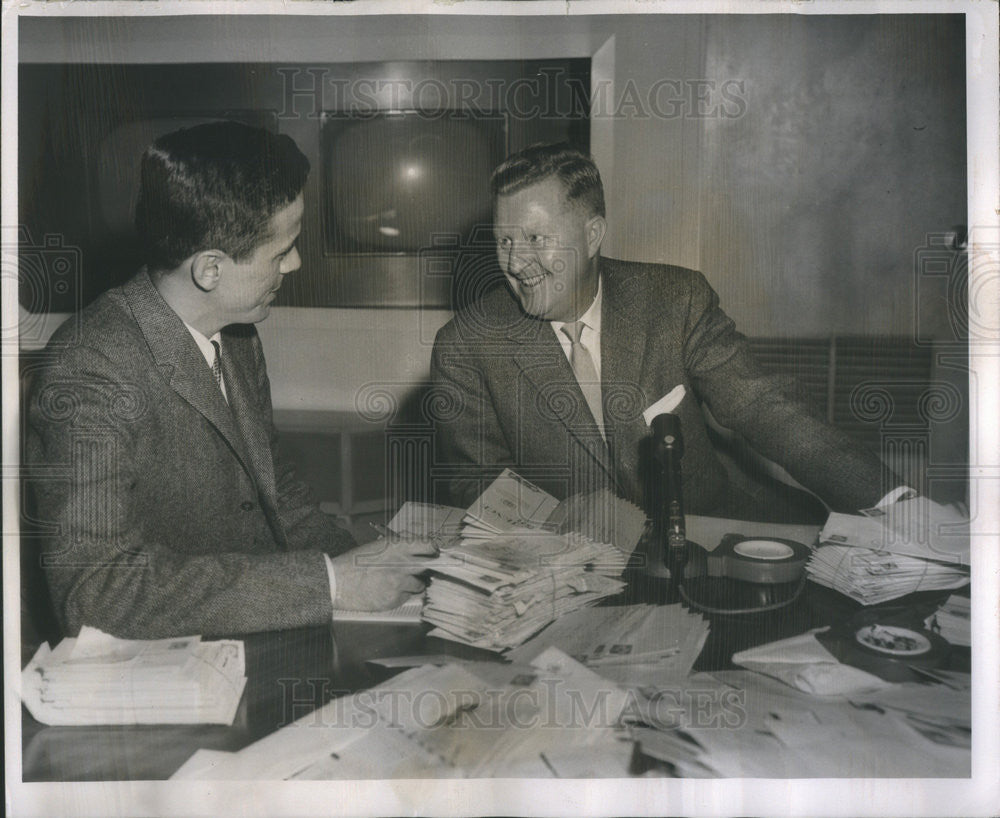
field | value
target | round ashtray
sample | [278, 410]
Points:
[891, 640]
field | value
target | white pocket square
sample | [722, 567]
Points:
[668, 403]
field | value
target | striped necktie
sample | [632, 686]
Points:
[586, 373]
[217, 369]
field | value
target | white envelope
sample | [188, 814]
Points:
[668, 403]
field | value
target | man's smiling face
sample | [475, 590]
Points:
[547, 248]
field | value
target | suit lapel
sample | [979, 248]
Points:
[623, 347]
[245, 413]
[543, 364]
[178, 357]
[624, 341]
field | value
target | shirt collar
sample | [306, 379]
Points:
[592, 317]
[204, 344]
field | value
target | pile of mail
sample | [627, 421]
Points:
[511, 504]
[496, 593]
[762, 728]
[624, 643]
[912, 545]
[100, 679]
[518, 558]
[953, 620]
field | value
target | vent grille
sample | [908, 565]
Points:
[861, 384]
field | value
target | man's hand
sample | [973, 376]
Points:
[381, 575]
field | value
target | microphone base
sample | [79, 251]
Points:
[652, 582]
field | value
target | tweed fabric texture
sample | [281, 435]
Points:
[170, 512]
[516, 403]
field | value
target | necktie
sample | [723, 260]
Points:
[586, 374]
[217, 369]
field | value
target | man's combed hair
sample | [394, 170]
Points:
[214, 186]
[574, 168]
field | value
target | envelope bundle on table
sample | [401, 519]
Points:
[912, 545]
[510, 503]
[525, 559]
[100, 679]
[496, 593]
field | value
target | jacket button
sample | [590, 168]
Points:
[247, 506]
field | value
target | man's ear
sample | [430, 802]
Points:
[206, 269]
[597, 226]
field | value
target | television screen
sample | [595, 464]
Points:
[403, 181]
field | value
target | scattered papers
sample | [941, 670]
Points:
[740, 724]
[494, 594]
[953, 621]
[100, 679]
[619, 640]
[552, 718]
[943, 718]
[802, 662]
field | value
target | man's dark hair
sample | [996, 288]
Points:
[573, 168]
[214, 186]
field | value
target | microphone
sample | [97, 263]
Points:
[668, 518]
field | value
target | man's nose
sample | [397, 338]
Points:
[520, 255]
[292, 262]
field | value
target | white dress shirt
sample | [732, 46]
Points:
[205, 345]
[590, 338]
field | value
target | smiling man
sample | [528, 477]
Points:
[551, 375]
[170, 511]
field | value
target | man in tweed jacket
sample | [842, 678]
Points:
[178, 516]
[503, 365]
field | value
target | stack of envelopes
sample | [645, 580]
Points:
[913, 545]
[99, 679]
[496, 593]
[522, 560]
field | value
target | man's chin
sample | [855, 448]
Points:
[259, 314]
[532, 307]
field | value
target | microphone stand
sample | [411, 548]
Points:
[668, 517]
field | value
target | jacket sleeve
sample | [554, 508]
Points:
[86, 454]
[766, 411]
